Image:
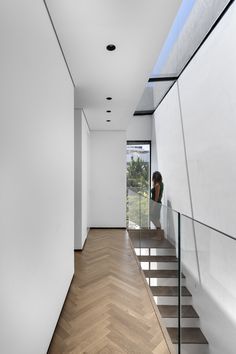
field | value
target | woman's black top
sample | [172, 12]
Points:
[160, 193]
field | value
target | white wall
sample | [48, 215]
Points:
[207, 90]
[154, 161]
[108, 179]
[170, 151]
[82, 141]
[36, 178]
[140, 128]
[207, 96]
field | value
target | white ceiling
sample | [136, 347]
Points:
[138, 28]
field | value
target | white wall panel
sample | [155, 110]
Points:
[36, 178]
[207, 89]
[154, 161]
[108, 179]
[140, 128]
[170, 153]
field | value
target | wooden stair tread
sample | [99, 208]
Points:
[150, 243]
[149, 238]
[169, 291]
[152, 233]
[157, 259]
[171, 311]
[189, 335]
[162, 273]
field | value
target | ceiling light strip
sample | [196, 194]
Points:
[164, 78]
[144, 113]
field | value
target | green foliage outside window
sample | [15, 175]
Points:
[138, 175]
[138, 192]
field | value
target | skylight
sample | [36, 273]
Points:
[194, 20]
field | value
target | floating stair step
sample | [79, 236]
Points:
[190, 335]
[186, 322]
[171, 311]
[192, 348]
[160, 252]
[154, 251]
[157, 259]
[149, 238]
[144, 233]
[173, 300]
[169, 291]
[151, 243]
[162, 273]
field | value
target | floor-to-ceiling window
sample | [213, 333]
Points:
[138, 157]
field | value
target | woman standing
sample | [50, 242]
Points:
[156, 196]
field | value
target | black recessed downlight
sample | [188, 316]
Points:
[108, 120]
[111, 47]
[108, 111]
[109, 98]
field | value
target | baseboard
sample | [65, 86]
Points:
[81, 249]
[98, 228]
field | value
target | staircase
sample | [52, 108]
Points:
[157, 257]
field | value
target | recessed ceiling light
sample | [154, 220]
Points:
[109, 98]
[108, 120]
[108, 111]
[111, 47]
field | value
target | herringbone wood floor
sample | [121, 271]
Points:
[108, 309]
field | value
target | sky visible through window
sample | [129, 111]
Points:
[177, 26]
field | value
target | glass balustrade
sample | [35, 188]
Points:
[208, 261]
[190, 268]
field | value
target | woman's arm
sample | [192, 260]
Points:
[157, 192]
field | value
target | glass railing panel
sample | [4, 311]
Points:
[166, 222]
[144, 209]
[190, 268]
[155, 238]
[133, 209]
[137, 218]
[160, 264]
[208, 263]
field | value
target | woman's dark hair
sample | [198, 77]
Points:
[157, 177]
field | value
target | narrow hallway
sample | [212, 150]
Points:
[108, 309]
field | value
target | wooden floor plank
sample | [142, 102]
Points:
[108, 309]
